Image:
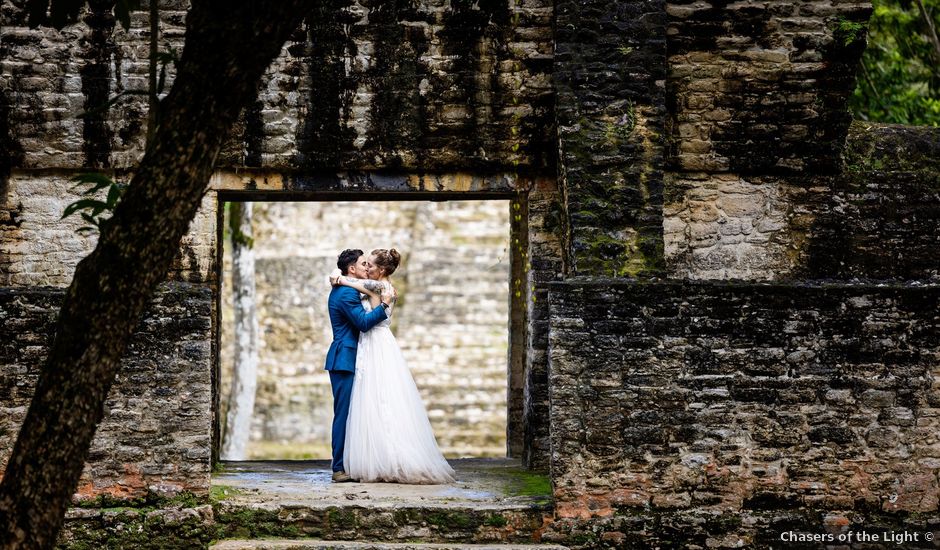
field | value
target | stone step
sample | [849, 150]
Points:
[306, 544]
[493, 501]
[432, 523]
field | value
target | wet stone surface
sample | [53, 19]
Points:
[481, 484]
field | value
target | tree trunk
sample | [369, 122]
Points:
[228, 46]
[241, 400]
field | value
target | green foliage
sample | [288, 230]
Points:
[848, 32]
[496, 520]
[899, 78]
[91, 209]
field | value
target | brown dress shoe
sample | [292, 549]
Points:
[342, 477]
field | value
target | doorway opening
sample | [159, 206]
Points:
[460, 329]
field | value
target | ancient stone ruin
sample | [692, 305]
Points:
[728, 325]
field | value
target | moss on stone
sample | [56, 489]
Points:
[495, 520]
[130, 529]
[254, 523]
[452, 520]
[873, 147]
[221, 492]
[640, 255]
[149, 501]
[341, 518]
[528, 483]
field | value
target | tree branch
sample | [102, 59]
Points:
[931, 29]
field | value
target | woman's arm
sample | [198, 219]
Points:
[371, 288]
[392, 299]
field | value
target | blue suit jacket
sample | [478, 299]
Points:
[349, 318]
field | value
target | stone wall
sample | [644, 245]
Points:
[37, 248]
[878, 218]
[882, 216]
[155, 435]
[451, 320]
[761, 87]
[360, 85]
[544, 263]
[610, 70]
[695, 140]
[773, 404]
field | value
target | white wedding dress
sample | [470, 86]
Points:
[388, 435]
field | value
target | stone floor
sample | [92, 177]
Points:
[482, 484]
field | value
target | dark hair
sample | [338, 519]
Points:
[386, 260]
[347, 258]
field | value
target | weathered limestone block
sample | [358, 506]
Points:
[877, 219]
[761, 88]
[38, 248]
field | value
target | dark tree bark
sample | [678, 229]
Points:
[228, 46]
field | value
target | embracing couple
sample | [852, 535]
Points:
[381, 430]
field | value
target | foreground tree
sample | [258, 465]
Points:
[228, 46]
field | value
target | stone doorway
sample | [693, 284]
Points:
[294, 421]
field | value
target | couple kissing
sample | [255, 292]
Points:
[381, 430]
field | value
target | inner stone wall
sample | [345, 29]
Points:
[451, 319]
[37, 248]
[155, 435]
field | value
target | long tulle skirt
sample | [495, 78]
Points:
[388, 435]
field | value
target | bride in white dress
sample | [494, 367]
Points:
[388, 435]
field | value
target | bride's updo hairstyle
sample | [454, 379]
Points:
[386, 260]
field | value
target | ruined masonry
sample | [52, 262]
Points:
[730, 319]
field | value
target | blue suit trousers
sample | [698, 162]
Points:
[342, 384]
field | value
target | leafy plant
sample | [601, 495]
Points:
[91, 209]
[899, 77]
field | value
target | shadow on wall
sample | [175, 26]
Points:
[882, 220]
[451, 320]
